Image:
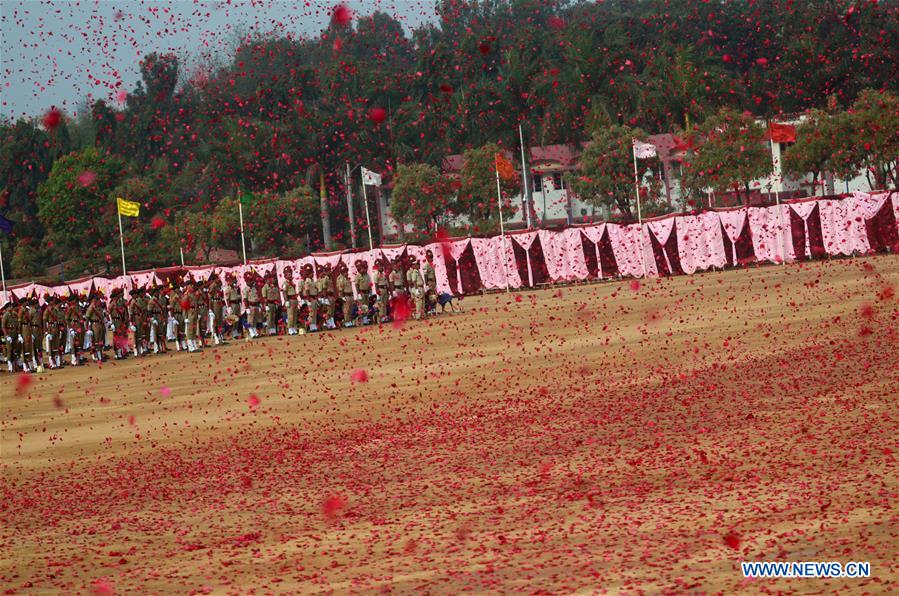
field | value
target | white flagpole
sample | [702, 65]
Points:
[3, 276]
[181, 250]
[367, 218]
[502, 229]
[780, 217]
[349, 205]
[243, 242]
[121, 238]
[639, 211]
[524, 175]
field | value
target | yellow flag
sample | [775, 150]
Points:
[128, 208]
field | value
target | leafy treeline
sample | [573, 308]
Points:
[283, 118]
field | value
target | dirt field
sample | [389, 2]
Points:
[612, 437]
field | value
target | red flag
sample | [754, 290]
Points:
[781, 133]
[504, 167]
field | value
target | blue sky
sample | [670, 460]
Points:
[62, 53]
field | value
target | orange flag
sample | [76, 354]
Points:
[504, 167]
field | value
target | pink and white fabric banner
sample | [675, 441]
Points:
[661, 229]
[842, 230]
[805, 210]
[626, 244]
[490, 254]
[733, 223]
[700, 244]
[594, 234]
[770, 230]
[867, 205]
[525, 240]
[563, 253]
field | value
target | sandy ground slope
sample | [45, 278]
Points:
[610, 437]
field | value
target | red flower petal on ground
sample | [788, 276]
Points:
[359, 376]
[253, 400]
[333, 505]
[23, 382]
[732, 539]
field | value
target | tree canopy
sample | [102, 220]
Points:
[279, 113]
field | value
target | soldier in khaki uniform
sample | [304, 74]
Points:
[217, 309]
[232, 297]
[430, 278]
[382, 284]
[11, 331]
[95, 319]
[289, 289]
[416, 286]
[118, 312]
[137, 311]
[156, 319]
[363, 291]
[345, 293]
[271, 297]
[74, 329]
[26, 338]
[397, 278]
[251, 304]
[310, 295]
[176, 312]
[326, 296]
[191, 309]
[52, 332]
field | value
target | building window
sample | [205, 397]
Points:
[538, 183]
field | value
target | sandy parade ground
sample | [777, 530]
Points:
[616, 437]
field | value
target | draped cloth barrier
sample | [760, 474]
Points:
[855, 224]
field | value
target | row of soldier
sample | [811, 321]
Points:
[193, 313]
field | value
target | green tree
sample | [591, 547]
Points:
[605, 174]
[733, 153]
[477, 188]
[76, 204]
[817, 140]
[421, 197]
[870, 139]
